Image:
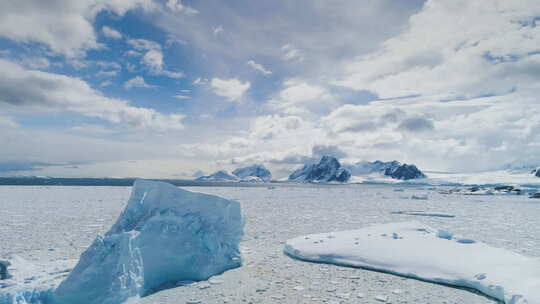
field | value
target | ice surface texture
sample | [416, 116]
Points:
[414, 250]
[165, 235]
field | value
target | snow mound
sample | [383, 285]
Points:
[164, 236]
[327, 170]
[426, 254]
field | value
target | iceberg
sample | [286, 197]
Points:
[426, 254]
[165, 235]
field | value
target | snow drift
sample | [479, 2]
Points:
[414, 250]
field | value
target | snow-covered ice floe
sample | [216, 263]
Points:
[32, 282]
[164, 237]
[414, 250]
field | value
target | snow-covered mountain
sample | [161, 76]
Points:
[259, 171]
[327, 170]
[393, 169]
[219, 176]
[536, 172]
[254, 173]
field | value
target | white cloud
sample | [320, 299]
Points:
[182, 97]
[36, 63]
[232, 89]
[290, 52]
[144, 45]
[200, 81]
[110, 73]
[137, 82]
[45, 92]
[296, 92]
[299, 98]
[64, 26]
[218, 30]
[111, 33]
[106, 83]
[474, 49]
[178, 6]
[258, 67]
[7, 122]
[153, 58]
[92, 129]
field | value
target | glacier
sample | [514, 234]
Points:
[165, 236]
[426, 254]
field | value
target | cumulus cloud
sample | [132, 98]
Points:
[299, 98]
[137, 82]
[7, 122]
[258, 67]
[232, 89]
[44, 92]
[416, 124]
[182, 96]
[218, 30]
[290, 52]
[178, 6]
[36, 62]
[64, 26]
[110, 33]
[153, 57]
[458, 49]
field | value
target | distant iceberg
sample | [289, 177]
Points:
[414, 250]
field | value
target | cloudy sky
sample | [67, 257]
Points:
[165, 88]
